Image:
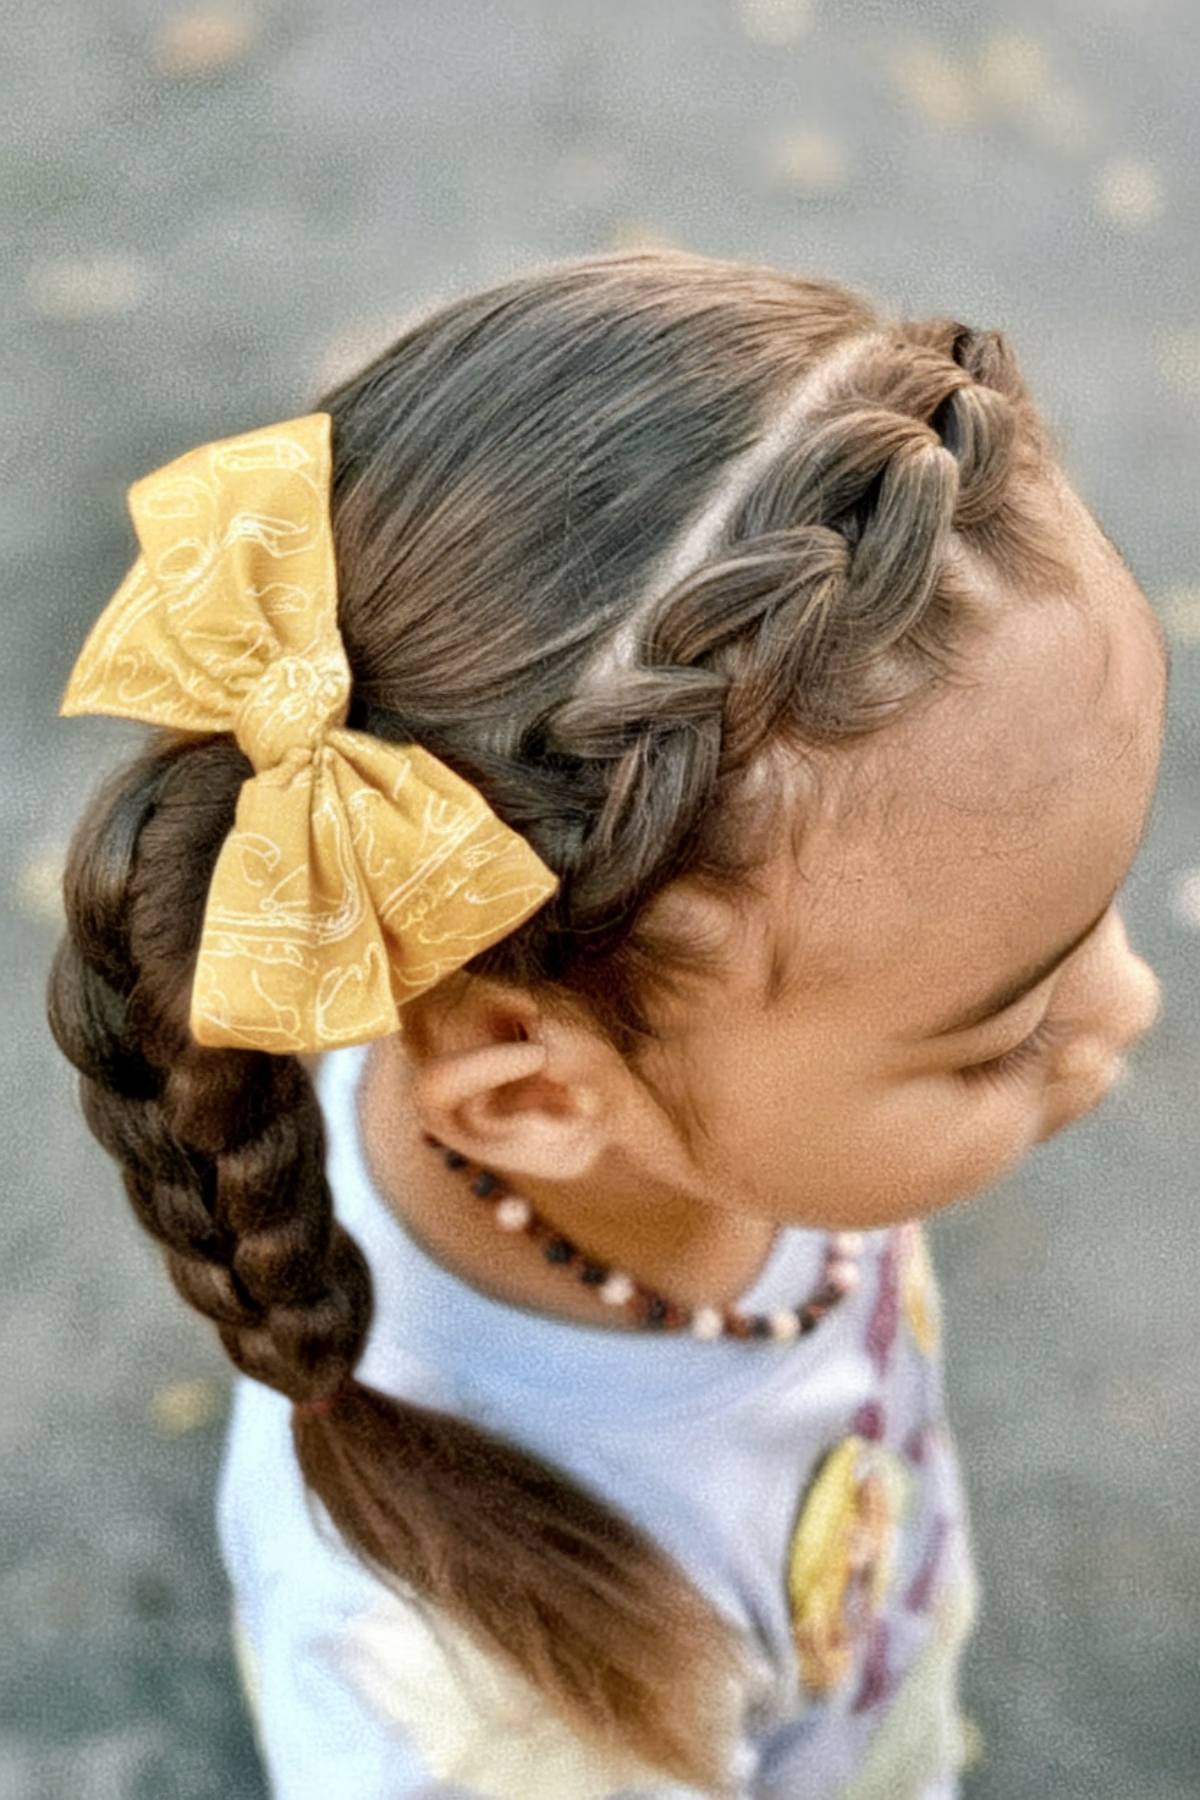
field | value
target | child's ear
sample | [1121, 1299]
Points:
[540, 1104]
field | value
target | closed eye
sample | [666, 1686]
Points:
[1014, 1064]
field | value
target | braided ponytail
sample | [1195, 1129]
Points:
[510, 479]
[222, 1155]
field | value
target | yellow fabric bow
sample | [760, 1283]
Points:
[357, 872]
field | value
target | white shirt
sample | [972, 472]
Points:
[715, 1448]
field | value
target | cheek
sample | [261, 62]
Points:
[840, 1156]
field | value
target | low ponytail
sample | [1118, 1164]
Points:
[222, 1154]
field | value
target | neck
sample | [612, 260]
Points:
[619, 1215]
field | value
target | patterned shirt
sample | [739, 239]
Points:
[809, 1487]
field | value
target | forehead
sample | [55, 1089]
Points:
[969, 840]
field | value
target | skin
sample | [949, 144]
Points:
[953, 850]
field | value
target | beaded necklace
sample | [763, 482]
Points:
[512, 1213]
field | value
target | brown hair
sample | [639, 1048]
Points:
[510, 481]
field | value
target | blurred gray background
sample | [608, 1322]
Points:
[209, 211]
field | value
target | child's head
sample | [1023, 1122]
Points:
[783, 640]
[774, 629]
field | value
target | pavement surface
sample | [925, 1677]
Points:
[209, 211]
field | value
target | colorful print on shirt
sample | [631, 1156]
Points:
[919, 1296]
[840, 1566]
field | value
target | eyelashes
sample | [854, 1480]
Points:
[1014, 1063]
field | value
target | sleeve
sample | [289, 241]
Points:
[357, 1693]
[293, 1584]
[383, 1706]
[318, 1737]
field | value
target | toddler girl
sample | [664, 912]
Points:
[642, 776]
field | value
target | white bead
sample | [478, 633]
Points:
[845, 1276]
[784, 1325]
[513, 1213]
[848, 1243]
[706, 1322]
[617, 1290]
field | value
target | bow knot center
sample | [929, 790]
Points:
[290, 707]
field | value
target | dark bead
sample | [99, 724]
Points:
[828, 1296]
[558, 1250]
[455, 1160]
[656, 1311]
[809, 1320]
[593, 1274]
[485, 1184]
[760, 1327]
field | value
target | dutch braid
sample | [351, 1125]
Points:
[903, 449]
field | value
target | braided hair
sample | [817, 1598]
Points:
[608, 535]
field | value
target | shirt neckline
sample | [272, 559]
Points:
[434, 1310]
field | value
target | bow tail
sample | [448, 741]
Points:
[292, 957]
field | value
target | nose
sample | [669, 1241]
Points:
[1089, 1067]
[1145, 1003]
